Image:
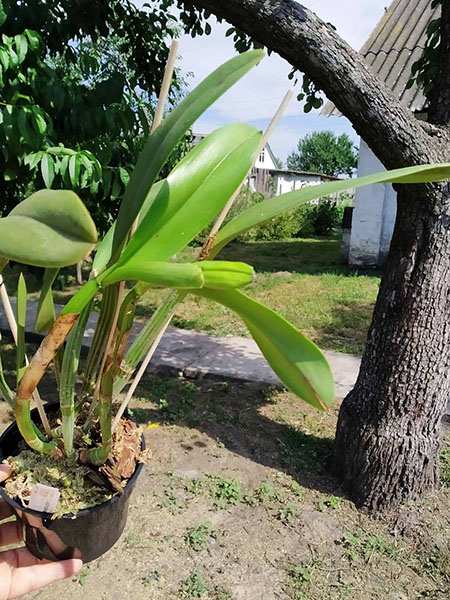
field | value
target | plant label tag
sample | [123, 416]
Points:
[44, 498]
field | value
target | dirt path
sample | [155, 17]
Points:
[237, 504]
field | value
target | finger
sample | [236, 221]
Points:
[5, 472]
[10, 533]
[27, 579]
[20, 557]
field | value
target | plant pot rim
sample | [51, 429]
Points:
[84, 511]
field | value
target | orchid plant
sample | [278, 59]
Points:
[156, 220]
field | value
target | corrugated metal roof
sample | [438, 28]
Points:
[394, 46]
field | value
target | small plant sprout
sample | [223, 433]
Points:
[157, 218]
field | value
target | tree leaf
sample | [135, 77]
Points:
[48, 170]
[51, 228]
[267, 209]
[296, 360]
[21, 46]
[164, 139]
[74, 170]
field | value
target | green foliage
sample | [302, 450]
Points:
[194, 586]
[425, 70]
[317, 219]
[225, 491]
[287, 514]
[324, 152]
[197, 537]
[77, 96]
[281, 227]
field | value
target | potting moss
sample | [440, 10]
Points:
[75, 482]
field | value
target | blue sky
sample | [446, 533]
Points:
[256, 97]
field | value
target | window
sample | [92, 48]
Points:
[262, 155]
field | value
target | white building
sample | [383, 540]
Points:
[395, 45]
[268, 179]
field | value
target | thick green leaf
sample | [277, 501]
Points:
[194, 193]
[296, 360]
[164, 139]
[21, 319]
[215, 275]
[263, 211]
[46, 315]
[48, 229]
[104, 248]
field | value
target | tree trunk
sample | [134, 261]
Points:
[388, 434]
[387, 439]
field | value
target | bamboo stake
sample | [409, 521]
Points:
[166, 83]
[13, 327]
[203, 254]
[159, 114]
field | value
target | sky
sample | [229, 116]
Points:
[255, 98]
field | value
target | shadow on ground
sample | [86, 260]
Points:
[262, 424]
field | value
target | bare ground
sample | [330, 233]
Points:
[238, 503]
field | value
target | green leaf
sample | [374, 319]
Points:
[193, 194]
[34, 39]
[23, 122]
[48, 170]
[82, 298]
[46, 315]
[296, 360]
[4, 58]
[164, 139]
[267, 209]
[51, 228]
[74, 170]
[21, 46]
[21, 319]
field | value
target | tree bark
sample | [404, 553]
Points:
[388, 434]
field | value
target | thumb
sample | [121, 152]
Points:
[5, 472]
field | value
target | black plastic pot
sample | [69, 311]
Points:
[86, 535]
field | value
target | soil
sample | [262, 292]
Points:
[238, 503]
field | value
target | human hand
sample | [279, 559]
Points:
[20, 571]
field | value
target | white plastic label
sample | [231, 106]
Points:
[44, 498]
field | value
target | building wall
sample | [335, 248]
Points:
[374, 213]
[264, 160]
[288, 182]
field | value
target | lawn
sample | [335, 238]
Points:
[300, 278]
[303, 281]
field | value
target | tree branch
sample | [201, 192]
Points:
[314, 47]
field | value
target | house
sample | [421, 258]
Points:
[268, 179]
[394, 46]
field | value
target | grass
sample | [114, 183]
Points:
[300, 278]
[303, 281]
